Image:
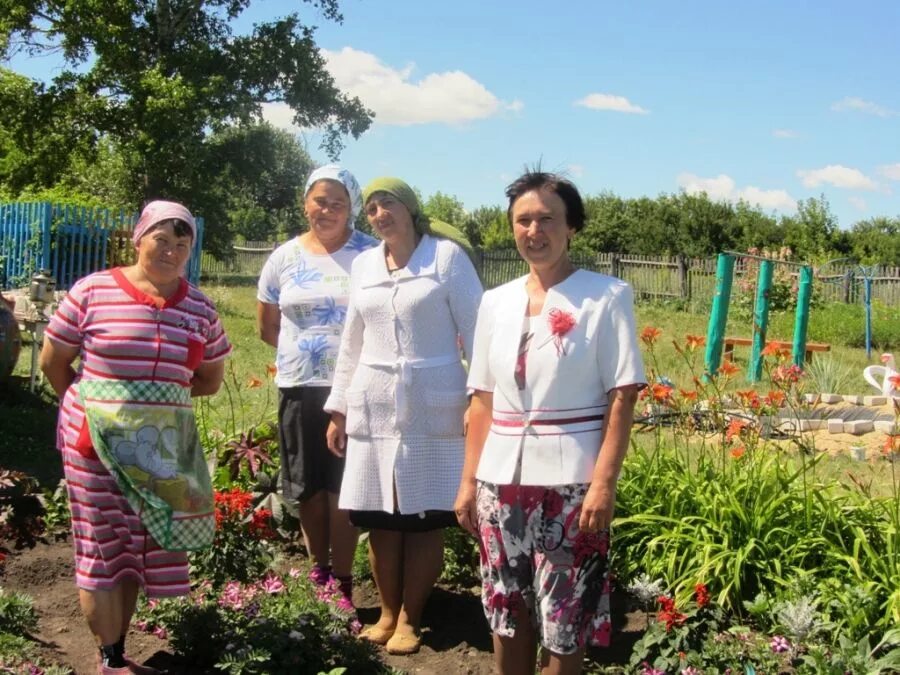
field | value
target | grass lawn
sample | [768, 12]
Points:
[249, 395]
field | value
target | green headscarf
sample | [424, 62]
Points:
[422, 223]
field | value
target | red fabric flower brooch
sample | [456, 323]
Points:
[561, 322]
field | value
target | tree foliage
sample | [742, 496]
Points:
[160, 79]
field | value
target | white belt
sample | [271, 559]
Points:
[403, 368]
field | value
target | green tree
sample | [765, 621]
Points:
[39, 133]
[447, 208]
[876, 240]
[258, 173]
[813, 231]
[157, 77]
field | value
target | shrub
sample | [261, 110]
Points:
[274, 625]
[17, 615]
[241, 549]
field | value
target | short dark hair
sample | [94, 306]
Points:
[535, 179]
[179, 227]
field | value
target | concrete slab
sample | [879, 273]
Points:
[859, 427]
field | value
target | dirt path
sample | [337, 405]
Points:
[456, 637]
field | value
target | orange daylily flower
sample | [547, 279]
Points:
[895, 381]
[738, 452]
[650, 334]
[271, 369]
[694, 341]
[661, 392]
[688, 395]
[254, 383]
[748, 397]
[891, 444]
[772, 349]
[735, 428]
[728, 368]
[775, 398]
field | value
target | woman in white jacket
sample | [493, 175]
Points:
[398, 400]
[555, 373]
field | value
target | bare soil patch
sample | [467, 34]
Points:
[455, 632]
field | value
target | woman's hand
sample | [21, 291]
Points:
[598, 507]
[336, 436]
[464, 507]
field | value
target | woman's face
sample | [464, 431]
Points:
[162, 254]
[540, 228]
[389, 218]
[327, 207]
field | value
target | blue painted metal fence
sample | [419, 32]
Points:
[70, 241]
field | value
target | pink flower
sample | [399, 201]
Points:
[272, 585]
[152, 603]
[141, 626]
[232, 596]
[561, 322]
[161, 633]
[780, 644]
[648, 670]
[294, 573]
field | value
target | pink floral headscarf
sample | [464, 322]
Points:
[158, 211]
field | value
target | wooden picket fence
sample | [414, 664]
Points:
[651, 277]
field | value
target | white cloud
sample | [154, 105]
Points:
[859, 105]
[768, 199]
[576, 170]
[785, 133]
[723, 188]
[838, 176]
[859, 203]
[515, 106]
[281, 116]
[451, 97]
[610, 102]
[890, 171]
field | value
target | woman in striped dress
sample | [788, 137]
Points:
[143, 322]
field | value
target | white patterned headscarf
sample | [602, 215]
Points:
[345, 178]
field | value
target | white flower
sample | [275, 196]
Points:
[645, 589]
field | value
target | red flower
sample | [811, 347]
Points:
[738, 452]
[688, 395]
[561, 322]
[259, 523]
[668, 614]
[701, 593]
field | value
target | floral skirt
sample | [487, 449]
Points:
[536, 565]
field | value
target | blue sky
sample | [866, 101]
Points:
[770, 101]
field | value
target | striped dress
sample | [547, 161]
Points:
[124, 334]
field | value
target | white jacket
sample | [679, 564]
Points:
[554, 426]
[399, 378]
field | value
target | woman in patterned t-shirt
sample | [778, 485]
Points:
[302, 295]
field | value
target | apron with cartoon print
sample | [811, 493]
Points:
[145, 434]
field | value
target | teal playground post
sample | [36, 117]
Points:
[718, 318]
[760, 320]
[801, 319]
